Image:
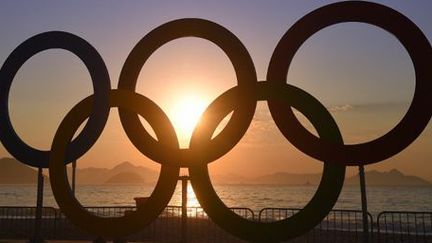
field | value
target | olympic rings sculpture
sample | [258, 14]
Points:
[241, 100]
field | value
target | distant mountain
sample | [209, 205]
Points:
[15, 172]
[230, 178]
[90, 176]
[126, 178]
[284, 178]
[118, 174]
[390, 178]
[373, 178]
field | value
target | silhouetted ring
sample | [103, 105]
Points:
[411, 125]
[317, 208]
[127, 224]
[245, 103]
[241, 99]
[101, 84]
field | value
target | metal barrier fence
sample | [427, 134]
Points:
[338, 226]
[399, 226]
[19, 222]
[168, 226]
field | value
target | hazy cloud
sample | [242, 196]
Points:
[340, 108]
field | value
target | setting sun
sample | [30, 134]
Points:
[185, 113]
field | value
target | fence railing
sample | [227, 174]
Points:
[19, 222]
[403, 226]
[339, 226]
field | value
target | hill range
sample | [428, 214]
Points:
[13, 172]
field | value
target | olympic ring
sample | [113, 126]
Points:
[127, 224]
[101, 83]
[321, 203]
[245, 105]
[414, 121]
[241, 99]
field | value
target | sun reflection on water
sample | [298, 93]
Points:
[176, 200]
[192, 201]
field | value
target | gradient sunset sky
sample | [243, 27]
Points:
[360, 72]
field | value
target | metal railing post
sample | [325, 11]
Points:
[73, 176]
[364, 204]
[37, 237]
[184, 182]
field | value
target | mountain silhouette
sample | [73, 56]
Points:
[390, 178]
[118, 174]
[14, 172]
[373, 178]
[126, 178]
[284, 178]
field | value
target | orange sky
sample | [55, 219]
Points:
[361, 73]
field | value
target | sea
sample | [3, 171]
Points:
[255, 197]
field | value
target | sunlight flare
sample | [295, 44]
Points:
[185, 113]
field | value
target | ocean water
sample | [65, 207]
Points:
[256, 197]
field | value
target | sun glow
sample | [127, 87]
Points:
[185, 113]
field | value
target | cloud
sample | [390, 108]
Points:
[263, 130]
[340, 108]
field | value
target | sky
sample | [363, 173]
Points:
[361, 73]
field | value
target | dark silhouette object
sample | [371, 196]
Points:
[364, 204]
[74, 163]
[101, 84]
[184, 227]
[245, 102]
[113, 227]
[37, 237]
[321, 203]
[411, 125]
[241, 100]
[140, 202]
